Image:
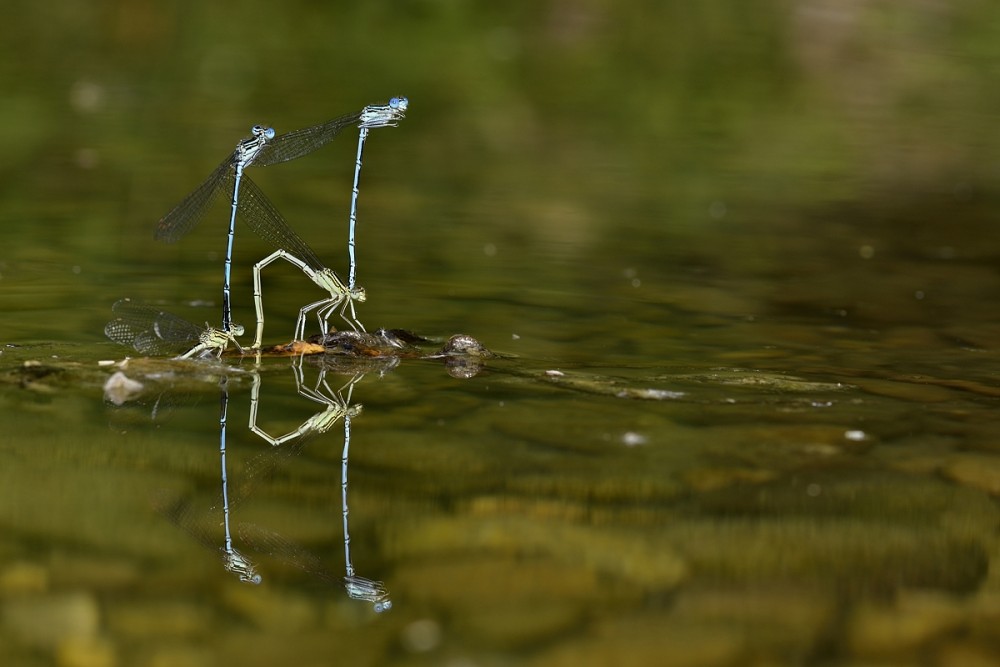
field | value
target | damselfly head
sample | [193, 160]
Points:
[384, 115]
[359, 295]
[262, 131]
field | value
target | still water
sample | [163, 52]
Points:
[737, 267]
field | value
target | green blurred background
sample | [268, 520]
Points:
[783, 210]
[554, 151]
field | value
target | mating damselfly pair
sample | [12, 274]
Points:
[149, 330]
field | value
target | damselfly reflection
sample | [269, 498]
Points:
[358, 587]
[338, 407]
[277, 546]
[179, 513]
[151, 331]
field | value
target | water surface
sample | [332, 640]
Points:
[737, 265]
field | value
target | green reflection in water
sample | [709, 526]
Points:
[783, 213]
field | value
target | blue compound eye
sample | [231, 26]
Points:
[269, 133]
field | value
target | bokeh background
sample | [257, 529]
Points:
[575, 147]
[739, 258]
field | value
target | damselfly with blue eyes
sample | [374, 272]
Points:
[385, 115]
[262, 148]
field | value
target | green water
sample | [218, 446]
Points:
[737, 261]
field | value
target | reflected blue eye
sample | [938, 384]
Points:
[399, 103]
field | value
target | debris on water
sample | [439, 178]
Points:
[649, 394]
[383, 350]
[738, 377]
[463, 356]
[607, 386]
[119, 388]
[37, 376]
[294, 349]
[401, 337]
[633, 439]
[465, 345]
[382, 343]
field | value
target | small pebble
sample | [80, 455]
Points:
[119, 388]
